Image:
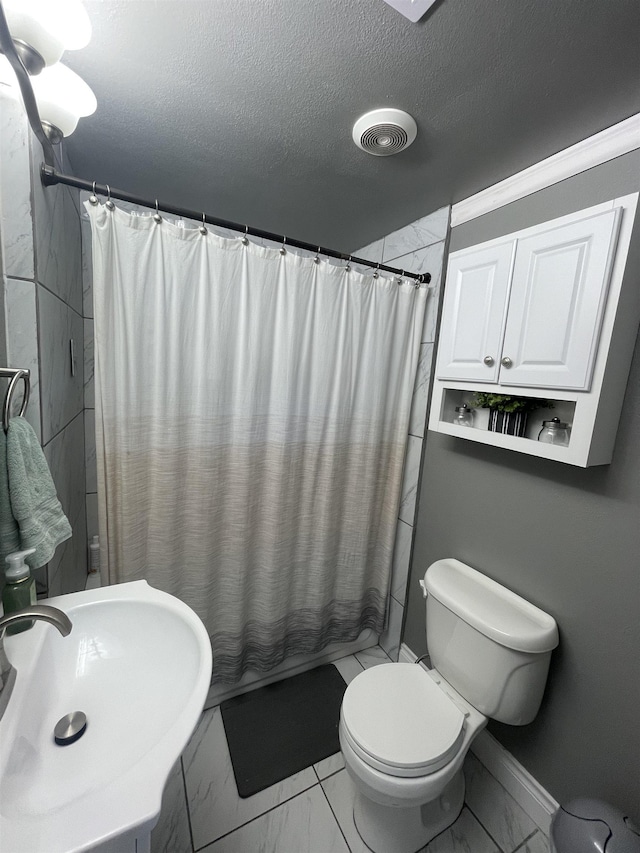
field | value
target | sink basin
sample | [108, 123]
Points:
[138, 663]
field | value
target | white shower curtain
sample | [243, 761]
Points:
[252, 410]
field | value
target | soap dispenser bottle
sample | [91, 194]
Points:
[20, 588]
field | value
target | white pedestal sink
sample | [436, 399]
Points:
[138, 663]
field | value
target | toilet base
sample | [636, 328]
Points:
[390, 829]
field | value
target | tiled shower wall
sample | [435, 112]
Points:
[42, 290]
[418, 247]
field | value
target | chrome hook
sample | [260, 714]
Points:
[376, 272]
[316, 260]
[93, 198]
[283, 251]
[156, 216]
[348, 265]
[245, 238]
[109, 204]
[203, 227]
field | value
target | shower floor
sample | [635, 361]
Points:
[311, 811]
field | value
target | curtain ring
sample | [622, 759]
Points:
[316, 260]
[376, 272]
[109, 204]
[156, 216]
[245, 238]
[283, 251]
[93, 198]
[203, 227]
[348, 265]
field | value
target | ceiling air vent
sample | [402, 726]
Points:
[384, 132]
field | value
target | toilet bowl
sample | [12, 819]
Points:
[405, 730]
[406, 759]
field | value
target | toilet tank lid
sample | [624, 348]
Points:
[491, 608]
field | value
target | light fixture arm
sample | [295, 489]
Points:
[28, 98]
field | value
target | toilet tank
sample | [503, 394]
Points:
[487, 642]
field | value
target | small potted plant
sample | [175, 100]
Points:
[508, 414]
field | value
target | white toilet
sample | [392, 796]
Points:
[405, 730]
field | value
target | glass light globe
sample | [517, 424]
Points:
[49, 26]
[62, 98]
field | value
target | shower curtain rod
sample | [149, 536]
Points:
[51, 176]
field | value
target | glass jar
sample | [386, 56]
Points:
[463, 416]
[555, 432]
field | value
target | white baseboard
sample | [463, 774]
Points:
[514, 778]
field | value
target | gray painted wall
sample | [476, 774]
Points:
[565, 538]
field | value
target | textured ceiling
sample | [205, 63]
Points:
[244, 108]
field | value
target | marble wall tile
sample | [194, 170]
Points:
[390, 638]
[423, 232]
[61, 393]
[90, 450]
[67, 468]
[214, 805]
[305, 824]
[401, 559]
[16, 224]
[57, 239]
[22, 341]
[171, 834]
[499, 813]
[87, 268]
[89, 384]
[371, 252]
[74, 567]
[418, 417]
[410, 480]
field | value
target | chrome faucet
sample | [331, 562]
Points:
[38, 611]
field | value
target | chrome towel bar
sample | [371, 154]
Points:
[14, 374]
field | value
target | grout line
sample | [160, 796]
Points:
[483, 826]
[526, 841]
[262, 814]
[53, 293]
[62, 429]
[186, 801]
[334, 814]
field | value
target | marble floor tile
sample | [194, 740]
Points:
[373, 657]
[538, 843]
[214, 805]
[465, 836]
[340, 792]
[328, 766]
[348, 667]
[171, 834]
[498, 812]
[304, 824]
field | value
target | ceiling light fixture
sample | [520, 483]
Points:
[42, 30]
[62, 98]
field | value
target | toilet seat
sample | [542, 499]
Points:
[397, 720]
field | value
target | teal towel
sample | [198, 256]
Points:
[9, 533]
[34, 503]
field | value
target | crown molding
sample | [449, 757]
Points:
[606, 145]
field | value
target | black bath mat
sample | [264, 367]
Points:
[282, 728]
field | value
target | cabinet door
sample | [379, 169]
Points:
[557, 298]
[473, 313]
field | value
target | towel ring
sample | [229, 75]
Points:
[16, 374]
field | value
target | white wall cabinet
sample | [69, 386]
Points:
[543, 313]
[528, 311]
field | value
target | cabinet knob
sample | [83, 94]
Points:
[488, 360]
[506, 361]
